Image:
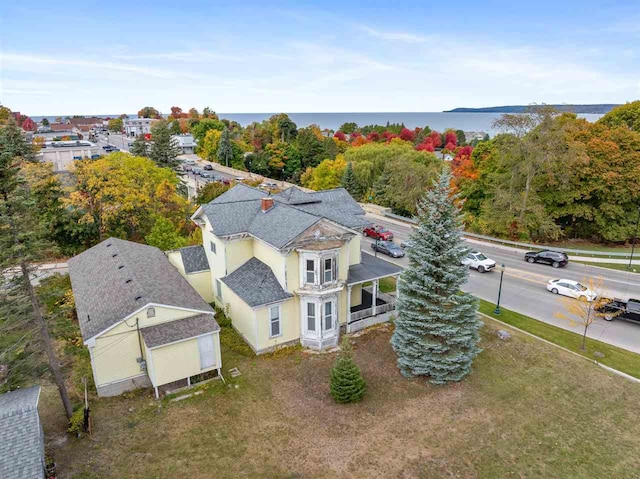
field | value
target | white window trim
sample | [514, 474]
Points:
[319, 303]
[318, 259]
[271, 335]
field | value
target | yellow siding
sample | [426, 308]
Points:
[343, 262]
[237, 253]
[293, 271]
[201, 282]
[354, 250]
[272, 257]
[168, 368]
[289, 322]
[216, 260]
[242, 316]
[115, 353]
[356, 294]
[342, 306]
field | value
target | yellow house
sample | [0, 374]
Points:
[287, 268]
[143, 323]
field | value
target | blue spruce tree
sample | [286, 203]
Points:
[436, 331]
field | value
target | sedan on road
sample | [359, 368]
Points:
[208, 167]
[573, 289]
[478, 261]
[378, 232]
[554, 258]
[389, 248]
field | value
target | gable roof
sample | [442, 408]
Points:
[179, 330]
[115, 278]
[21, 442]
[194, 259]
[255, 283]
[238, 210]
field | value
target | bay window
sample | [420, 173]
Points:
[328, 315]
[310, 270]
[318, 269]
[311, 316]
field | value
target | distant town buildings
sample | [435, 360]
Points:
[186, 143]
[63, 153]
[138, 126]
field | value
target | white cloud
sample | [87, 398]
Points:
[406, 37]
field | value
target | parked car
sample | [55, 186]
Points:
[207, 174]
[389, 248]
[617, 308]
[378, 232]
[479, 262]
[239, 179]
[108, 147]
[208, 167]
[554, 258]
[571, 288]
[196, 171]
[190, 162]
[406, 244]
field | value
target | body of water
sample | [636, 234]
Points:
[435, 120]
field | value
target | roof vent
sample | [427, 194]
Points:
[121, 266]
[88, 318]
[267, 204]
[138, 298]
[108, 244]
[114, 255]
[128, 281]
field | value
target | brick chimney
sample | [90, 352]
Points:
[267, 204]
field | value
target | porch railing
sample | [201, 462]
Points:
[389, 305]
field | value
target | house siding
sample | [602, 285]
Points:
[272, 257]
[116, 352]
[242, 315]
[356, 295]
[354, 250]
[167, 369]
[289, 325]
[201, 282]
[238, 253]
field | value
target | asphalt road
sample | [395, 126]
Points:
[524, 288]
[119, 141]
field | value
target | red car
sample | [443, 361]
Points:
[378, 232]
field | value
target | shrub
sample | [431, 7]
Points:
[346, 384]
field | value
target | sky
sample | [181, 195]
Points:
[113, 56]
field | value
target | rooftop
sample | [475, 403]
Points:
[194, 259]
[179, 330]
[21, 442]
[370, 268]
[255, 283]
[239, 211]
[116, 278]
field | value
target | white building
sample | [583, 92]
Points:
[138, 126]
[186, 143]
[63, 153]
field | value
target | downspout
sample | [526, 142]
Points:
[139, 338]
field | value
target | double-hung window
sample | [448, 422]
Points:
[213, 247]
[218, 289]
[328, 315]
[274, 321]
[327, 270]
[311, 316]
[310, 271]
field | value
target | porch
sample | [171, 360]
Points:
[366, 304]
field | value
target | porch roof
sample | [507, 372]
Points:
[179, 330]
[371, 268]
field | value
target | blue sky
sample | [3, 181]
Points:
[114, 56]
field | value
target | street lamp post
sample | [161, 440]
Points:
[635, 238]
[497, 310]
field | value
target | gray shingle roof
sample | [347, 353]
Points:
[370, 268]
[179, 330]
[116, 278]
[21, 441]
[194, 259]
[239, 211]
[255, 283]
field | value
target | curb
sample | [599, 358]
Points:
[610, 369]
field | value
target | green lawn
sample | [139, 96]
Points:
[617, 358]
[635, 268]
[387, 285]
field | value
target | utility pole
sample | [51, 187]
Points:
[635, 238]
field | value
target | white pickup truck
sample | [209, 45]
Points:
[478, 261]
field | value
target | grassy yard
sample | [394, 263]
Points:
[617, 358]
[635, 268]
[527, 410]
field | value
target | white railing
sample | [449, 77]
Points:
[368, 312]
[363, 313]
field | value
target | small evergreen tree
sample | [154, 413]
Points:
[139, 147]
[436, 331]
[346, 383]
[164, 148]
[225, 149]
[350, 183]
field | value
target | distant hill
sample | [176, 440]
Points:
[600, 109]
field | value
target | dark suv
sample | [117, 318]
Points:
[554, 258]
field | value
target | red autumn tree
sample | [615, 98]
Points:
[436, 138]
[388, 136]
[450, 137]
[373, 136]
[462, 166]
[358, 140]
[340, 136]
[407, 135]
[176, 112]
[426, 145]
[450, 146]
[28, 125]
